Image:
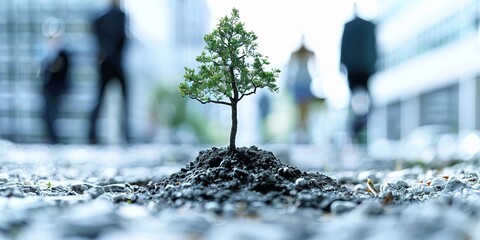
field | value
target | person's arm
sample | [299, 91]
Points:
[60, 63]
[95, 29]
[344, 50]
[122, 31]
[375, 48]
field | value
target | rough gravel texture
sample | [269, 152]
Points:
[91, 192]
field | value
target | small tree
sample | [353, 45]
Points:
[230, 69]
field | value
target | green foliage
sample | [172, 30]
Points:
[230, 69]
[229, 65]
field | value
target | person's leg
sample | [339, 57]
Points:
[368, 103]
[104, 77]
[55, 110]
[358, 125]
[302, 134]
[49, 113]
[353, 126]
[360, 104]
[303, 108]
[126, 105]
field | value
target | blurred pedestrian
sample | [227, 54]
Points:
[359, 56]
[109, 29]
[264, 107]
[54, 73]
[299, 82]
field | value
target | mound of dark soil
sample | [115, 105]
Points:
[250, 176]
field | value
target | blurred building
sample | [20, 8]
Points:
[151, 61]
[21, 51]
[189, 21]
[429, 72]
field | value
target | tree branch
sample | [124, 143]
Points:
[212, 101]
[249, 93]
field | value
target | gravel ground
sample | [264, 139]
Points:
[84, 192]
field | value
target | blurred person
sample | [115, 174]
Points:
[299, 81]
[264, 107]
[54, 73]
[359, 56]
[109, 29]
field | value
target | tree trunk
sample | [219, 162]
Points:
[233, 131]
[233, 101]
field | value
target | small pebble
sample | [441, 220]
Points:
[453, 184]
[339, 207]
[212, 207]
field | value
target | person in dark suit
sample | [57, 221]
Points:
[109, 29]
[359, 56]
[54, 73]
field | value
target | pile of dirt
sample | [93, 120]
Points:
[250, 176]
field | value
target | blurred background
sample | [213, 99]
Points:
[425, 91]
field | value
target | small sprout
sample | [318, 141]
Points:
[49, 185]
[371, 187]
[129, 201]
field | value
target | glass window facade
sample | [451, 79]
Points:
[453, 27]
[394, 116]
[21, 52]
[440, 107]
